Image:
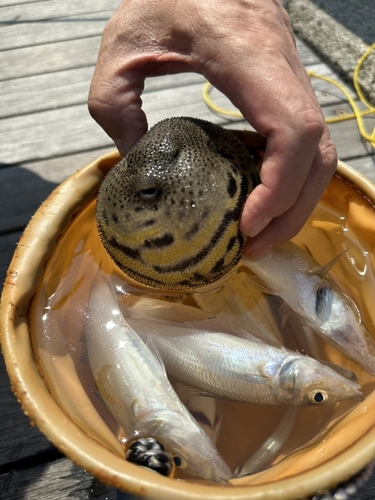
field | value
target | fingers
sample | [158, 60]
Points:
[274, 94]
[114, 99]
[134, 46]
[252, 59]
[289, 157]
[285, 226]
[299, 160]
[116, 104]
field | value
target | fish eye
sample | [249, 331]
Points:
[149, 194]
[318, 397]
[179, 462]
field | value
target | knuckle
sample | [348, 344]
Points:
[94, 106]
[329, 154]
[313, 124]
[327, 159]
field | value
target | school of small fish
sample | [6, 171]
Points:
[168, 216]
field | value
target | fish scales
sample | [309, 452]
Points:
[168, 213]
[135, 387]
[239, 369]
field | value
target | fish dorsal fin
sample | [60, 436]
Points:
[187, 392]
[325, 268]
[247, 335]
[305, 248]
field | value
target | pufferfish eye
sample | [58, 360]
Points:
[149, 194]
[317, 397]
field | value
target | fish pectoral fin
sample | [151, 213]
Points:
[284, 312]
[187, 392]
[259, 284]
[153, 348]
[96, 392]
[84, 356]
[324, 269]
[268, 371]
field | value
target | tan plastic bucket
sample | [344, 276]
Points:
[332, 459]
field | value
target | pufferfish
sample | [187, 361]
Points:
[168, 213]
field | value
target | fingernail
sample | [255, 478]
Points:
[257, 252]
[258, 227]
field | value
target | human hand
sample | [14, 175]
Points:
[246, 50]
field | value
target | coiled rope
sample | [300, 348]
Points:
[358, 114]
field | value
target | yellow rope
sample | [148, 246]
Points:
[357, 113]
[214, 107]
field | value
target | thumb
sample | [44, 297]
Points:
[115, 104]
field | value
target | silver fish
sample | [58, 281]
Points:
[292, 273]
[135, 387]
[243, 370]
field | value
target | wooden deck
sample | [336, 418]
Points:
[48, 49]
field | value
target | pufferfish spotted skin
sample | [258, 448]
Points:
[168, 213]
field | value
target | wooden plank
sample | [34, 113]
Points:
[66, 88]
[71, 130]
[45, 91]
[8, 244]
[306, 55]
[50, 133]
[22, 191]
[13, 11]
[345, 134]
[365, 165]
[51, 57]
[13, 34]
[44, 29]
[8, 3]
[54, 481]
[327, 93]
[23, 188]
[16, 63]
[63, 479]
[18, 438]
[367, 492]
[69, 87]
